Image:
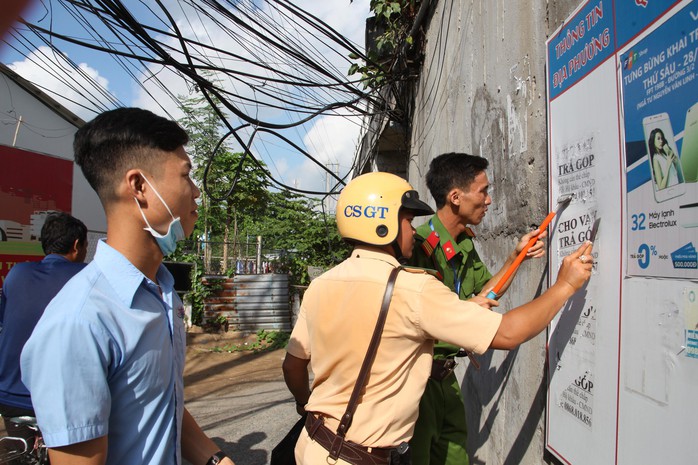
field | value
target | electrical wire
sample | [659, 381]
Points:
[274, 69]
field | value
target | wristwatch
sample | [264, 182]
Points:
[216, 458]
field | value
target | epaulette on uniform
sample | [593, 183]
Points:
[430, 243]
[418, 270]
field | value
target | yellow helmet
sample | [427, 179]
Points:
[368, 207]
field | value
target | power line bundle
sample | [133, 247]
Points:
[280, 67]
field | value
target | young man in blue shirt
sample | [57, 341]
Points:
[27, 290]
[105, 363]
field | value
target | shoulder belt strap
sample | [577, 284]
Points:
[348, 416]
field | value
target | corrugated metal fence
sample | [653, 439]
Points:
[251, 302]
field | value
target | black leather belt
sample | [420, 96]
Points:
[351, 452]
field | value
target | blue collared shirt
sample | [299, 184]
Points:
[107, 358]
[27, 290]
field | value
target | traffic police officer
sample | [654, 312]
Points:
[339, 312]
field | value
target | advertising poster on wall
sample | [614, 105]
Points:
[582, 339]
[659, 96]
[660, 117]
[623, 142]
[584, 167]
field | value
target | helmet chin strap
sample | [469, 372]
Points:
[398, 253]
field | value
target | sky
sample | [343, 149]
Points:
[331, 139]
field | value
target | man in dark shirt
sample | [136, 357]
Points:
[27, 290]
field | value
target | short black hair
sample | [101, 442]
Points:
[118, 140]
[451, 170]
[60, 231]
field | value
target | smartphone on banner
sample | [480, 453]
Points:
[663, 157]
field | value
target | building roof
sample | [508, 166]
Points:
[59, 109]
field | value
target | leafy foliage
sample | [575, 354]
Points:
[394, 18]
[199, 292]
[293, 223]
[286, 221]
[248, 183]
[395, 15]
[217, 219]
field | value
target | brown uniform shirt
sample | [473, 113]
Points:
[337, 318]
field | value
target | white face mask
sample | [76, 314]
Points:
[168, 241]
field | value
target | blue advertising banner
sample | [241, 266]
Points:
[595, 33]
[622, 90]
[581, 45]
[660, 122]
[633, 16]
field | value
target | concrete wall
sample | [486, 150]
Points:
[482, 91]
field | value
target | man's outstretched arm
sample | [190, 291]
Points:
[527, 321]
[537, 250]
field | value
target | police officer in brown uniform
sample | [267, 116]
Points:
[339, 312]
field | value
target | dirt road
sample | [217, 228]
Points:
[239, 399]
[211, 370]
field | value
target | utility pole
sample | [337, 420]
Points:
[330, 200]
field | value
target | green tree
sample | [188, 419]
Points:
[218, 220]
[286, 221]
[294, 225]
[221, 208]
